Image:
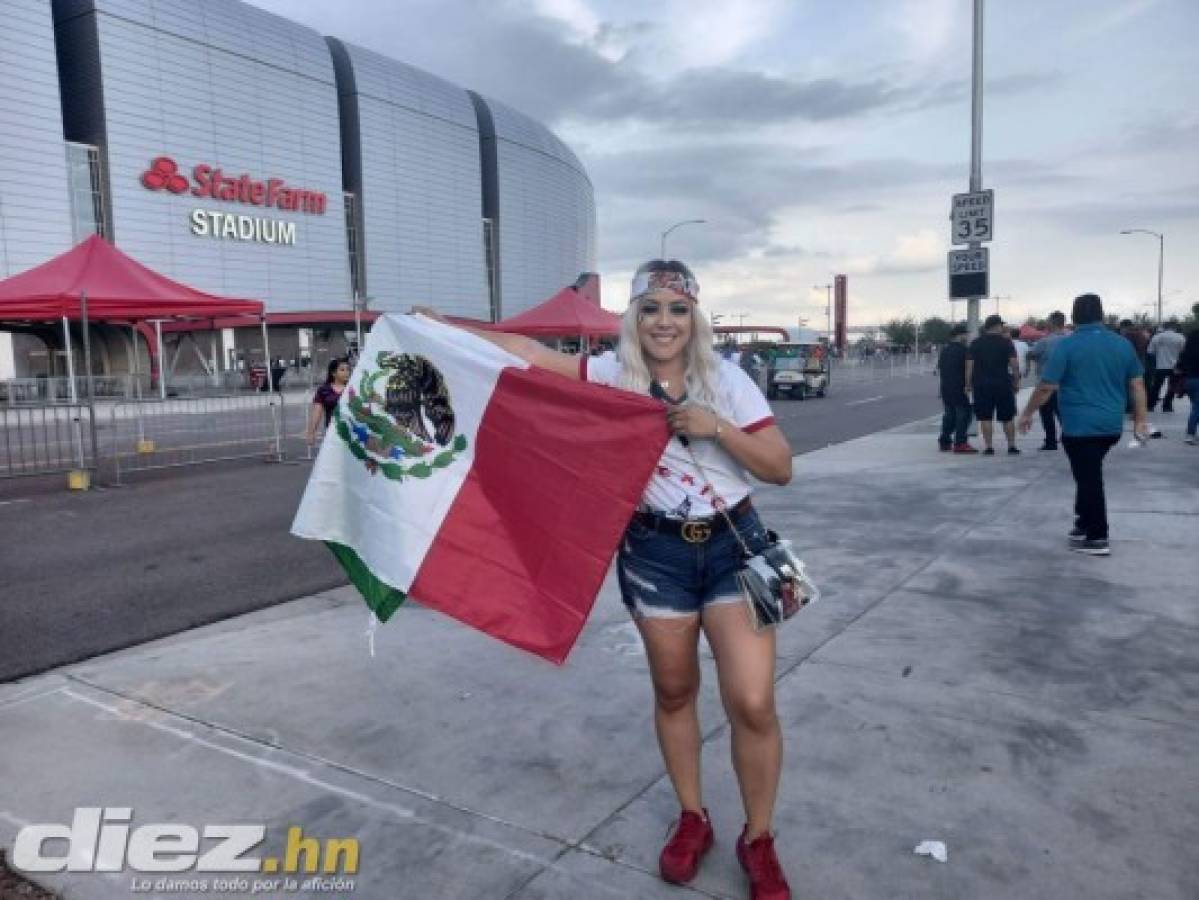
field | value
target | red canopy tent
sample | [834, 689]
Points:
[96, 282]
[118, 288]
[574, 310]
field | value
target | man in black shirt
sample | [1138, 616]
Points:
[993, 373]
[952, 367]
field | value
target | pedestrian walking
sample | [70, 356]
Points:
[1188, 368]
[677, 563]
[1022, 349]
[1040, 353]
[326, 398]
[951, 366]
[1164, 348]
[1093, 371]
[993, 376]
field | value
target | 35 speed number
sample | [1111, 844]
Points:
[973, 217]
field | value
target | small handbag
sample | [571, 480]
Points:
[774, 583]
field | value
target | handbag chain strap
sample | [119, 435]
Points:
[717, 501]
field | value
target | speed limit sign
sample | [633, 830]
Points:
[973, 217]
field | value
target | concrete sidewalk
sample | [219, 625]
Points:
[966, 679]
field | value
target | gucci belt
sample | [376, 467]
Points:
[693, 531]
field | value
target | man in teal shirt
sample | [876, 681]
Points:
[1092, 371]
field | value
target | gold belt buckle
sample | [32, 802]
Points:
[695, 532]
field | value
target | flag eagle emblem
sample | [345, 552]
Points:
[407, 429]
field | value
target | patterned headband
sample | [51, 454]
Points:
[664, 280]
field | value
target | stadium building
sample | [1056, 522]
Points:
[248, 156]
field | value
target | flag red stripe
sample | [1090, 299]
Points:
[559, 466]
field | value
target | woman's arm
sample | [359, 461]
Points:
[765, 453]
[533, 352]
[314, 418]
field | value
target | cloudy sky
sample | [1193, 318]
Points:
[825, 136]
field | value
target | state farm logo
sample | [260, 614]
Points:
[163, 174]
[213, 183]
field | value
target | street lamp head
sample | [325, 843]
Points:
[666, 233]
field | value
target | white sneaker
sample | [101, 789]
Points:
[1190, 439]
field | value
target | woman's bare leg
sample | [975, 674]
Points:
[745, 670]
[671, 645]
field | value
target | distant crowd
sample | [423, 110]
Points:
[1088, 379]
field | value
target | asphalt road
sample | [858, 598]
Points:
[83, 574]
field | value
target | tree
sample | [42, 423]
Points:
[901, 332]
[935, 330]
[1191, 321]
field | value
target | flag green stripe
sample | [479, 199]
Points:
[382, 598]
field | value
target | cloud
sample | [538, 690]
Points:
[576, 15]
[1023, 82]
[616, 40]
[812, 135]
[1110, 216]
[927, 26]
[788, 251]
[1116, 14]
[700, 98]
[1161, 134]
[923, 251]
[753, 175]
[716, 32]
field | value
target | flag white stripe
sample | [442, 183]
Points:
[391, 524]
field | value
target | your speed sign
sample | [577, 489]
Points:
[973, 217]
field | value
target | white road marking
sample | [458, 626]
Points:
[11, 502]
[867, 400]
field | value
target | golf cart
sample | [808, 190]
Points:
[799, 371]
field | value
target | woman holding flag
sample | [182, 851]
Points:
[677, 563]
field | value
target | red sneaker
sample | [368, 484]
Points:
[692, 838]
[766, 878]
[964, 448]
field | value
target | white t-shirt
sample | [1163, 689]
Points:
[677, 489]
[1021, 354]
[1166, 346]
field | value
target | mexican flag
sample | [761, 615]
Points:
[456, 474]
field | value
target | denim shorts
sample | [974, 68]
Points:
[664, 576]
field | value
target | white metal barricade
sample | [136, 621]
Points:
[185, 431]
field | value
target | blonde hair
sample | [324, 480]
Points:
[702, 363]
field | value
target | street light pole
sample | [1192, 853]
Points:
[678, 225]
[976, 142]
[999, 297]
[1161, 255]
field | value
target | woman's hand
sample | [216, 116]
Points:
[693, 421]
